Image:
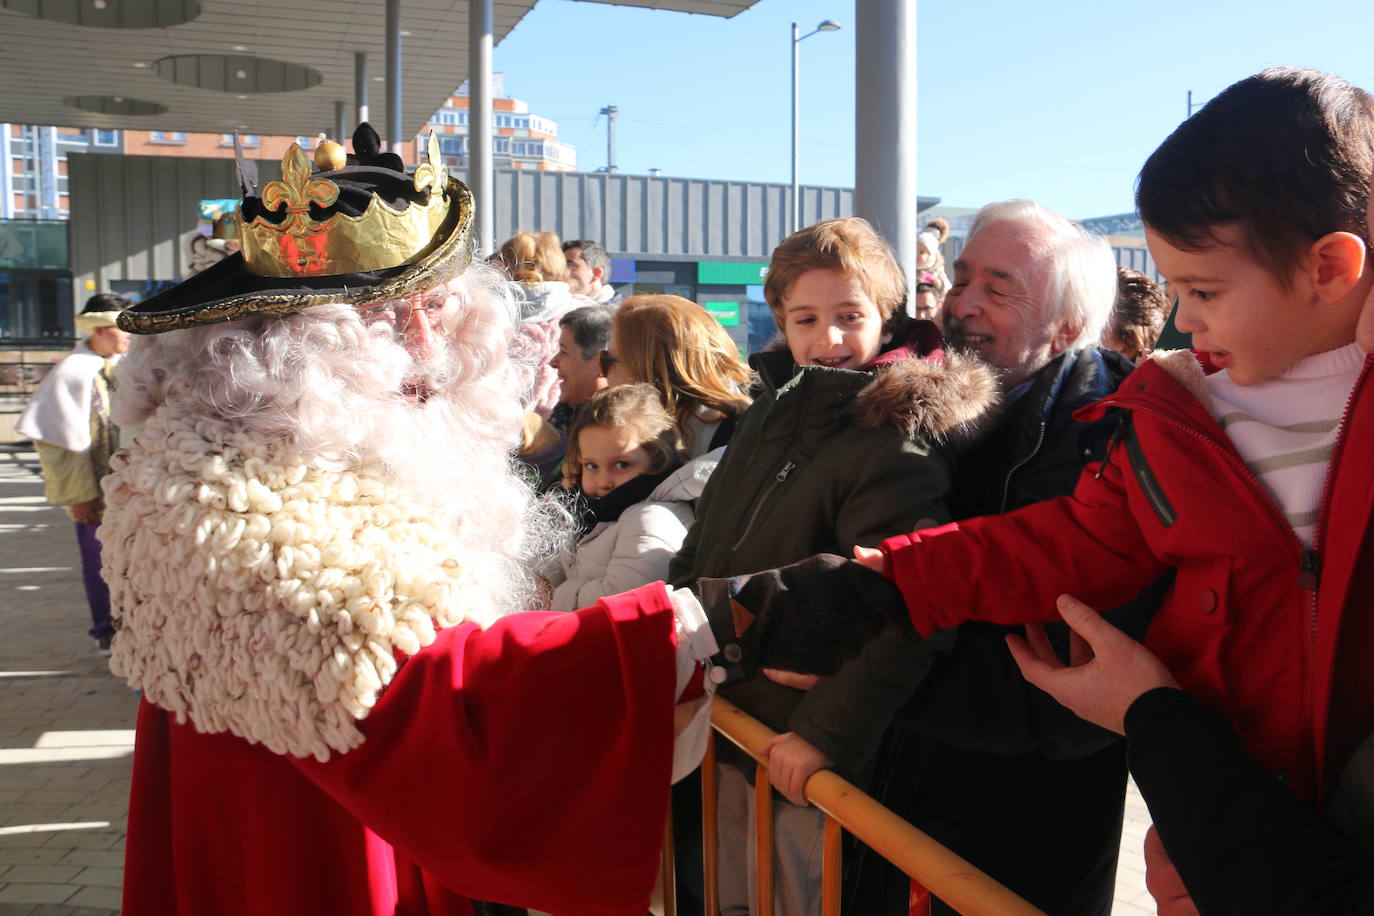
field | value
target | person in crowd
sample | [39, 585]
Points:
[68, 419]
[1036, 802]
[582, 334]
[589, 271]
[639, 496]
[317, 550]
[840, 449]
[1252, 483]
[1138, 316]
[675, 345]
[928, 299]
[539, 279]
[930, 257]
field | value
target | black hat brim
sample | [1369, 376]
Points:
[228, 291]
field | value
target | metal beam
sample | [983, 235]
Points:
[341, 131]
[481, 176]
[360, 86]
[394, 134]
[885, 125]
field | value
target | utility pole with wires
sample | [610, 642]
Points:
[610, 112]
[1191, 106]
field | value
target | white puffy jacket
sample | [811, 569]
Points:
[636, 548]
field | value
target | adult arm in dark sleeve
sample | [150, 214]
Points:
[977, 698]
[959, 686]
[1241, 840]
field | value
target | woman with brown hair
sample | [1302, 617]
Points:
[675, 345]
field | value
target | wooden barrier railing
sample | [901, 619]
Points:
[934, 867]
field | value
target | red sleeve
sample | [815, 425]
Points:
[529, 761]
[1009, 569]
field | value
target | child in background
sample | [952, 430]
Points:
[639, 496]
[841, 448]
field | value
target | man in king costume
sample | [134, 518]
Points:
[316, 546]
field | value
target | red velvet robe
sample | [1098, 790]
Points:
[527, 763]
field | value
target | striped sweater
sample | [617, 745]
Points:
[1285, 428]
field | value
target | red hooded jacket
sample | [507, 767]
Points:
[1269, 634]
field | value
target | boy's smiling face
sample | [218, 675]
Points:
[1239, 314]
[830, 320]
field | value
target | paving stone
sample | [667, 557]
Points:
[99, 858]
[41, 874]
[36, 893]
[101, 877]
[37, 855]
[100, 897]
[86, 839]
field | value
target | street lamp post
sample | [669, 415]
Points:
[829, 25]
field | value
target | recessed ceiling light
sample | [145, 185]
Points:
[99, 4]
[405, 33]
[140, 65]
[240, 47]
[119, 98]
[240, 96]
[241, 74]
[378, 79]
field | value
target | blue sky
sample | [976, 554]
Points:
[1057, 101]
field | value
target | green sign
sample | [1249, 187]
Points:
[731, 273]
[727, 313]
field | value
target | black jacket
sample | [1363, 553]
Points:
[1243, 843]
[985, 763]
[825, 459]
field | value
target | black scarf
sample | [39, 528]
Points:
[593, 510]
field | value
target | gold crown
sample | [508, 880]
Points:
[380, 238]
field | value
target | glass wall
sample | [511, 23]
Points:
[35, 283]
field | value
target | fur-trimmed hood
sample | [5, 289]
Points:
[916, 387]
[945, 397]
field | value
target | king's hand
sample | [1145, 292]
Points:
[808, 617]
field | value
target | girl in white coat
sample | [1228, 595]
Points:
[639, 496]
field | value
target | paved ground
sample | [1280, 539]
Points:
[66, 727]
[65, 722]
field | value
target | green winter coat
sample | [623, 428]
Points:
[826, 459]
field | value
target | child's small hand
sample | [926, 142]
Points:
[791, 762]
[1107, 676]
[870, 557]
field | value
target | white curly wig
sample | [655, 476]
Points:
[330, 388]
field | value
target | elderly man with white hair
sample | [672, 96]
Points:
[318, 549]
[986, 764]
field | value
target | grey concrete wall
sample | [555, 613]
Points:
[129, 211]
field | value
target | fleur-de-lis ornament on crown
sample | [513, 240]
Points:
[298, 190]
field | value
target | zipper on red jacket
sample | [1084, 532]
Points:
[1311, 573]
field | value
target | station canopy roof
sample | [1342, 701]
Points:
[257, 66]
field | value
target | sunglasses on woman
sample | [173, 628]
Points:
[607, 361]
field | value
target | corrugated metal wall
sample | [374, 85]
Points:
[129, 211]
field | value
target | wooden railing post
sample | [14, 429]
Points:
[763, 842]
[710, 849]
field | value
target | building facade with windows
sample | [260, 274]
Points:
[33, 167]
[522, 140]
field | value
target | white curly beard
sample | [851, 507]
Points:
[259, 595]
